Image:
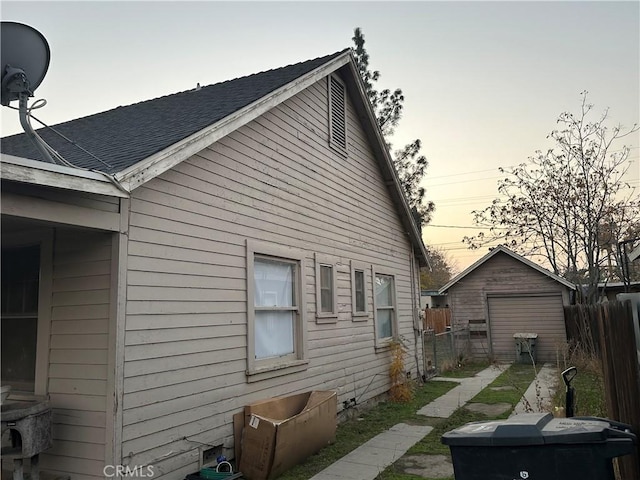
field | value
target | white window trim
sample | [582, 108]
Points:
[337, 147]
[383, 343]
[44, 237]
[360, 316]
[326, 317]
[263, 369]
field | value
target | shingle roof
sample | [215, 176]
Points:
[124, 136]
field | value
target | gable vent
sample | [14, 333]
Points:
[337, 113]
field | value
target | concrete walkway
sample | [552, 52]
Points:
[455, 398]
[539, 395]
[368, 460]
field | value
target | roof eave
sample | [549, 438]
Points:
[384, 159]
[25, 170]
[513, 255]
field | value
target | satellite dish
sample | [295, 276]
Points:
[24, 62]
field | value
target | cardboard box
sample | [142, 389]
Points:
[282, 432]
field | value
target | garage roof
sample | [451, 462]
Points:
[514, 255]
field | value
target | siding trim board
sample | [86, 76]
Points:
[25, 170]
[263, 369]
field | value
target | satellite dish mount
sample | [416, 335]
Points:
[24, 64]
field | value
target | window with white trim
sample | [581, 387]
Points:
[337, 114]
[326, 290]
[276, 325]
[359, 307]
[385, 308]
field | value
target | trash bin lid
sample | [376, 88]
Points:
[525, 336]
[536, 429]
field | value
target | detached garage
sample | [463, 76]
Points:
[503, 294]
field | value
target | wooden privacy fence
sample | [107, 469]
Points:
[437, 319]
[581, 322]
[612, 337]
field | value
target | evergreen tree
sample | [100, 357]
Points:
[410, 165]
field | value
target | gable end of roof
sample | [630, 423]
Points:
[519, 258]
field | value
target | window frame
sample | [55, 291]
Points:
[332, 142]
[260, 369]
[332, 316]
[384, 342]
[365, 314]
[43, 238]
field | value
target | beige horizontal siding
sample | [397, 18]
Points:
[277, 180]
[78, 353]
[501, 274]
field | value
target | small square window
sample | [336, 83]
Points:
[326, 294]
[326, 289]
[359, 300]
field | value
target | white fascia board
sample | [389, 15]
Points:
[160, 162]
[634, 254]
[25, 170]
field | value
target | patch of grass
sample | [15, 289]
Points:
[431, 444]
[355, 432]
[465, 370]
[511, 385]
[588, 385]
[518, 376]
[394, 473]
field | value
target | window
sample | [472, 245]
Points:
[359, 307]
[20, 289]
[276, 326]
[275, 307]
[326, 290]
[337, 114]
[385, 309]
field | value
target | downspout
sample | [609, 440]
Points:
[414, 313]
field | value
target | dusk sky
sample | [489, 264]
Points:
[484, 82]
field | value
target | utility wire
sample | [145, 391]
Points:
[30, 115]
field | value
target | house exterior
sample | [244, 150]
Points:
[217, 247]
[609, 291]
[504, 293]
[432, 299]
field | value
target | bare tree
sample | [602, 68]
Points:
[443, 268]
[570, 204]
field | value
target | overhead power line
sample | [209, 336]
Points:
[464, 226]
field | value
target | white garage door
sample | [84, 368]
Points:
[541, 314]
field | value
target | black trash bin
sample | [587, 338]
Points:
[536, 446]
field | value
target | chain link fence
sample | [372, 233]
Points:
[446, 349]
